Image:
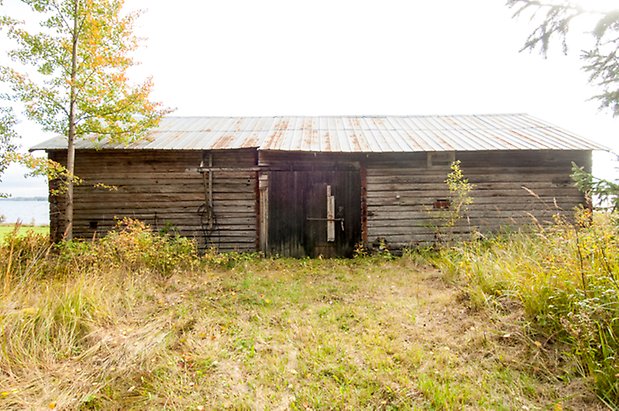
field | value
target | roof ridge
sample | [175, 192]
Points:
[350, 115]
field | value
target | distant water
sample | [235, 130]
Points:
[28, 212]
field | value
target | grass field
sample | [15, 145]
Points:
[107, 326]
[22, 229]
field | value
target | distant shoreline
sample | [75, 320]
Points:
[24, 199]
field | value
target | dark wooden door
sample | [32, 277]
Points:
[316, 222]
[298, 213]
[326, 226]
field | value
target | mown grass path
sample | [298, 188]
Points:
[281, 334]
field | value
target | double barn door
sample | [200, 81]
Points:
[314, 213]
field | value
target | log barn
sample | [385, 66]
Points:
[311, 186]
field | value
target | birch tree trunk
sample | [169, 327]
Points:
[68, 233]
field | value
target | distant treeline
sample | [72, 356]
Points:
[24, 199]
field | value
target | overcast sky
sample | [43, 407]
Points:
[357, 57]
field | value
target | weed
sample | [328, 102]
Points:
[460, 191]
[449, 214]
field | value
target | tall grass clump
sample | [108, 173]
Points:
[21, 256]
[62, 305]
[565, 279]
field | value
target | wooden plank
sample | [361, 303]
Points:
[240, 195]
[193, 231]
[481, 196]
[330, 215]
[425, 215]
[263, 224]
[390, 187]
[152, 218]
[192, 180]
[364, 203]
[155, 203]
[120, 175]
[423, 180]
[470, 169]
[551, 203]
[515, 192]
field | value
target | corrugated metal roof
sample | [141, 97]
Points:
[349, 134]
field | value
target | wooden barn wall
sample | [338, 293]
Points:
[162, 188]
[511, 189]
[397, 191]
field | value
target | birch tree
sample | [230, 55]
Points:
[71, 74]
[7, 138]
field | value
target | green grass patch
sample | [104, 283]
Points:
[6, 229]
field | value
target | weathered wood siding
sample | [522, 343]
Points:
[162, 188]
[401, 191]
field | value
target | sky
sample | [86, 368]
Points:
[354, 57]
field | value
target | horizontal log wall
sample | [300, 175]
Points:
[163, 189]
[511, 189]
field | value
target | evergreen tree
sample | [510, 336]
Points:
[554, 19]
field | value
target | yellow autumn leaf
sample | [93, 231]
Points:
[51, 405]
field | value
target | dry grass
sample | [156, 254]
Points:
[243, 332]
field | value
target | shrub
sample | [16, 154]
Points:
[134, 246]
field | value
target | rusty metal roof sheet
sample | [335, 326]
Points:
[349, 134]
